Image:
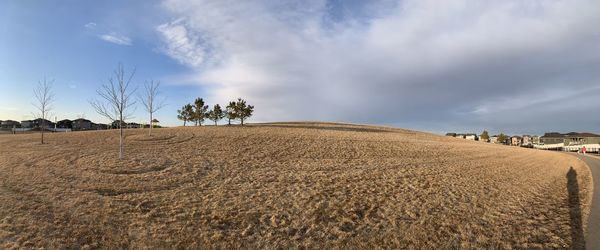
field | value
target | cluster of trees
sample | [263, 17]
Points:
[198, 112]
[115, 101]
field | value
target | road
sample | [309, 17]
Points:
[592, 239]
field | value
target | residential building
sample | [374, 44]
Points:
[99, 126]
[527, 140]
[82, 124]
[574, 138]
[133, 125]
[535, 140]
[494, 139]
[66, 123]
[471, 137]
[37, 123]
[552, 138]
[516, 140]
[10, 124]
[569, 139]
[115, 124]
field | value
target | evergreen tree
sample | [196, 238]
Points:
[186, 113]
[242, 110]
[501, 138]
[485, 136]
[200, 111]
[216, 114]
[230, 112]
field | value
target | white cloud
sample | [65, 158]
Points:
[116, 39]
[91, 25]
[416, 60]
[181, 44]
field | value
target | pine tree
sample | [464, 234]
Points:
[485, 136]
[186, 113]
[200, 111]
[243, 111]
[216, 114]
[230, 112]
[501, 138]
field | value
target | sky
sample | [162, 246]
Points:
[512, 66]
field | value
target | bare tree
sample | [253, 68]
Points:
[150, 100]
[116, 101]
[44, 99]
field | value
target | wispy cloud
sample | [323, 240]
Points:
[116, 39]
[181, 44]
[91, 25]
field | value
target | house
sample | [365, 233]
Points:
[535, 140]
[133, 125]
[516, 140]
[37, 123]
[461, 136]
[82, 124]
[10, 124]
[527, 140]
[115, 124]
[471, 137]
[574, 138]
[27, 124]
[66, 123]
[99, 126]
[496, 139]
[552, 138]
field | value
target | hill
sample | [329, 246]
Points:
[286, 185]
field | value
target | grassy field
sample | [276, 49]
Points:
[286, 185]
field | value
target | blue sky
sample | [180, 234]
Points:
[507, 66]
[62, 41]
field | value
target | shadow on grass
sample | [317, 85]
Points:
[577, 236]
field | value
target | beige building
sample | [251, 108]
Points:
[516, 141]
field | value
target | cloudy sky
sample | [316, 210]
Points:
[455, 65]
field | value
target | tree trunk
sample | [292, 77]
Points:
[242, 121]
[228, 121]
[150, 133]
[215, 123]
[42, 129]
[121, 138]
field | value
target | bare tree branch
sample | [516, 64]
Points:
[150, 100]
[115, 103]
[44, 100]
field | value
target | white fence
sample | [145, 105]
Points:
[570, 148]
[556, 146]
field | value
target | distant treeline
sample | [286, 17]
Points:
[197, 112]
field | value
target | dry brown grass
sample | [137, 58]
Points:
[284, 185]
